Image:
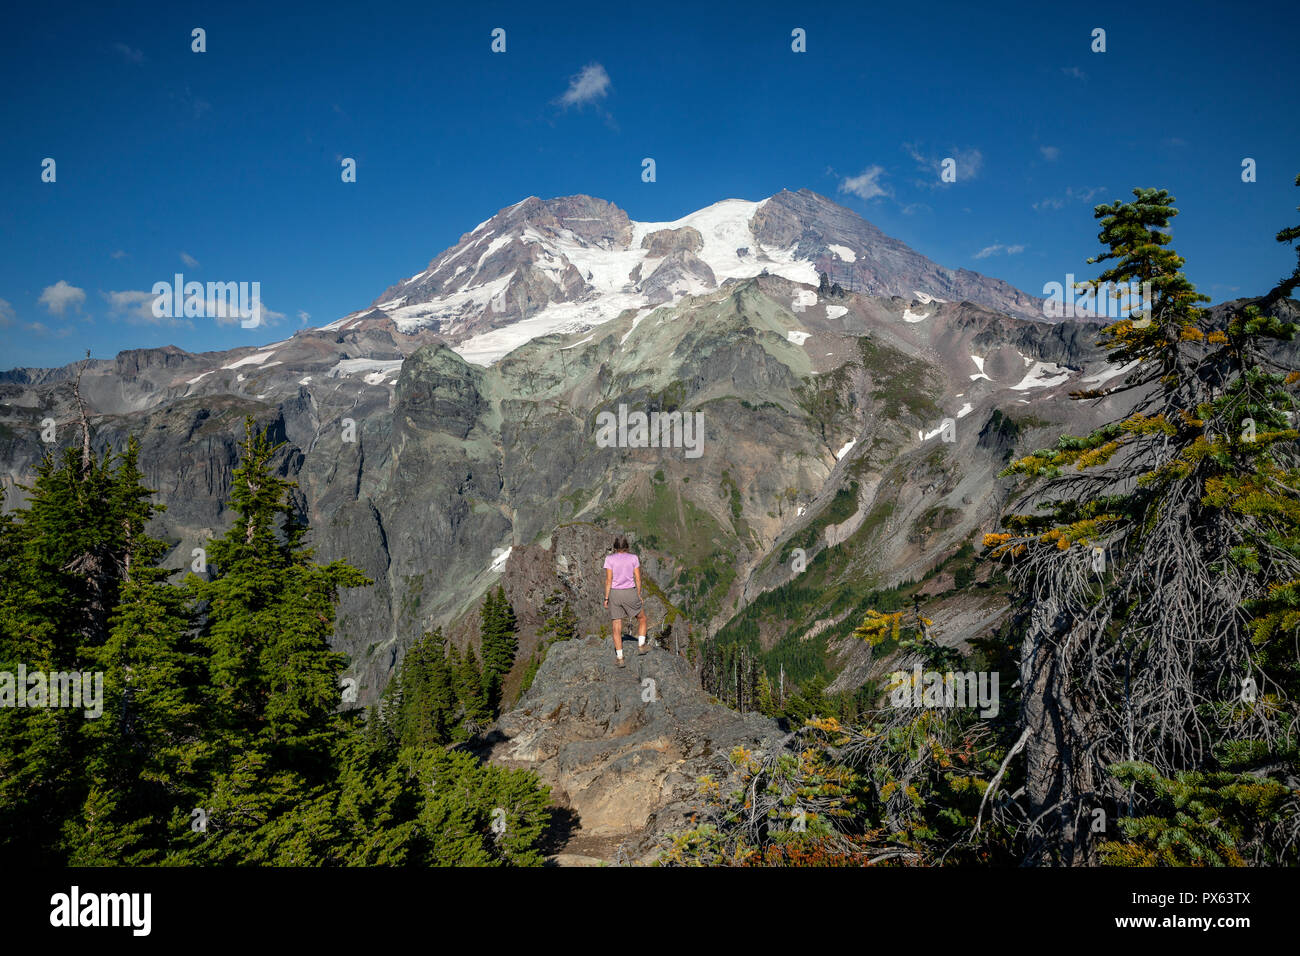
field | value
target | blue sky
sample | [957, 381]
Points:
[225, 165]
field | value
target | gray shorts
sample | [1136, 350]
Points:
[623, 603]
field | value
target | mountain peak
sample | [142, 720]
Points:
[570, 263]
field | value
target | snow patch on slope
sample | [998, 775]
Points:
[374, 370]
[257, 358]
[1043, 375]
[1106, 374]
[803, 300]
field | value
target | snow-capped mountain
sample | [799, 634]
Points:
[569, 264]
[423, 460]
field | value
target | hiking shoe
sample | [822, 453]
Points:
[642, 649]
[620, 662]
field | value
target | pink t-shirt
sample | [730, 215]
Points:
[622, 563]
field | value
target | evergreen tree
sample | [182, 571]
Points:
[469, 690]
[1290, 283]
[1158, 570]
[64, 557]
[144, 749]
[219, 739]
[498, 642]
[273, 681]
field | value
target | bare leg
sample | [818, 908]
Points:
[618, 633]
[640, 625]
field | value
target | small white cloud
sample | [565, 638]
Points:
[189, 260]
[591, 84]
[969, 163]
[59, 296]
[7, 314]
[304, 316]
[1071, 195]
[120, 254]
[1075, 72]
[998, 249]
[222, 314]
[136, 307]
[1050, 153]
[129, 54]
[865, 185]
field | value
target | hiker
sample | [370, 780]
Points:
[623, 595]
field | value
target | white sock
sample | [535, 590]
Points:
[619, 652]
[640, 639]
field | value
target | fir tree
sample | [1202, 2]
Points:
[1290, 283]
[1151, 546]
[498, 643]
[144, 749]
[469, 690]
[273, 681]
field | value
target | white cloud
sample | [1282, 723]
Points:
[1050, 153]
[218, 310]
[1071, 195]
[587, 86]
[998, 249]
[865, 185]
[7, 314]
[189, 260]
[304, 316]
[59, 296]
[136, 307]
[969, 163]
[128, 53]
[1075, 72]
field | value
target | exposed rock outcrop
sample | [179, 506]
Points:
[623, 748]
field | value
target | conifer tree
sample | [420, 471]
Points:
[64, 558]
[1290, 283]
[273, 681]
[1156, 559]
[469, 690]
[143, 750]
[498, 643]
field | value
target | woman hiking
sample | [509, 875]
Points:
[623, 595]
